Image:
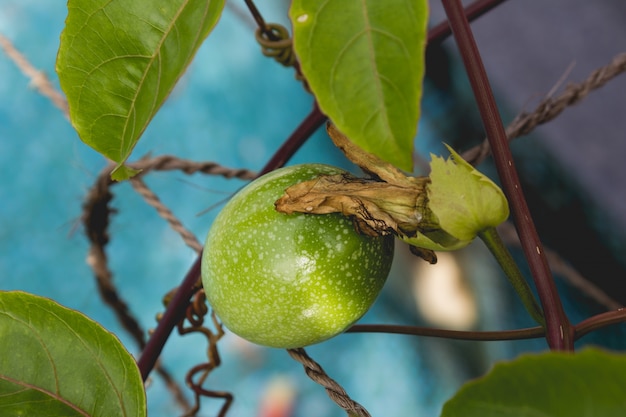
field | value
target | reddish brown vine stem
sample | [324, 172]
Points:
[169, 320]
[478, 8]
[600, 320]
[258, 18]
[313, 121]
[583, 328]
[559, 333]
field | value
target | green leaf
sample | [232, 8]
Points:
[364, 61]
[588, 383]
[123, 172]
[119, 60]
[56, 362]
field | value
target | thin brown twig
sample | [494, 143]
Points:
[197, 376]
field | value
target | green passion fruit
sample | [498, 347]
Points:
[289, 281]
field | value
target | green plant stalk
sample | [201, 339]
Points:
[492, 240]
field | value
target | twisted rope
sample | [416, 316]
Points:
[173, 163]
[333, 389]
[96, 215]
[38, 79]
[550, 108]
[153, 200]
[96, 218]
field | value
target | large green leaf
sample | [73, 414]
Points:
[57, 362]
[364, 61]
[118, 61]
[586, 384]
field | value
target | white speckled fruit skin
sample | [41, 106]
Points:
[289, 281]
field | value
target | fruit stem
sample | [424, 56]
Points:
[492, 240]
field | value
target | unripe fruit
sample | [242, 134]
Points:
[289, 281]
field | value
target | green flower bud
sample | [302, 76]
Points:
[462, 202]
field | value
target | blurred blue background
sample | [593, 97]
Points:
[236, 107]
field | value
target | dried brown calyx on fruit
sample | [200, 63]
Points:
[444, 211]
